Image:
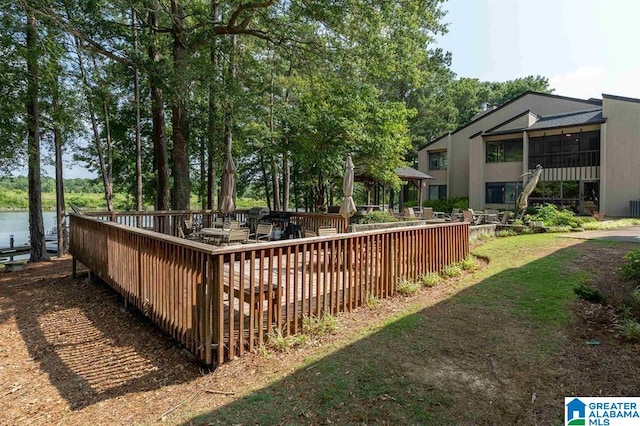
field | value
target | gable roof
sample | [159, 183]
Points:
[567, 119]
[592, 101]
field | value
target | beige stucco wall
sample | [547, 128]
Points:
[520, 123]
[460, 176]
[476, 172]
[620, 158]
[440, 176]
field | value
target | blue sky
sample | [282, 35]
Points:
[584, 47]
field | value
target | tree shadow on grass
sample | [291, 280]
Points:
[79, 333]
[489, 354]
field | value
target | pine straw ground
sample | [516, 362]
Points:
[70, 353]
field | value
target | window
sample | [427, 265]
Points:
[437, 192]
[500, 192]
[504, 151]
[438, 160]
[572, 149]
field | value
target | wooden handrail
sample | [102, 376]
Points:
[203, 295]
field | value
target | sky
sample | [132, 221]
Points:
[585, 47]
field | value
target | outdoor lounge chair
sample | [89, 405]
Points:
[262, 234]
[237, 236]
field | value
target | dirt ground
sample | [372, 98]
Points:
[70, 353]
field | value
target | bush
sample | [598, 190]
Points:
[407, 287]
[450, 271]
[468, 264]
[629, 329]
[631, 269]
[551, 216]
[430, 279]
[372, 301]
[447, 205]
[277, 340]
[506, 233]
[326, 324]
[378, 217]
[590, 294]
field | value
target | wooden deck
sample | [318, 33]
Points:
[221, 302]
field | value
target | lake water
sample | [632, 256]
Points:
[17, 224]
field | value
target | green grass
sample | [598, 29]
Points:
[432, 363]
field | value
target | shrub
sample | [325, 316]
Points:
[468, 264]
[506, 233]
[407, 287]
[630, 270]
[629, 329]
[551, 216]
[450, 271]
[326, 324]
[378, 217]
[277, 340]
[372, 301]
[590, 294]
[430, 279]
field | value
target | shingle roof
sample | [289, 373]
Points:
[405, 173]
[569, 119]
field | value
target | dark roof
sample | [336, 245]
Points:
[567, 119]
[529, 92]
[409, 173]
[620, 98]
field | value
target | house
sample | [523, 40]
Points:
[575, 409]
[589, 151]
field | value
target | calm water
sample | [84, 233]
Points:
[17, 224]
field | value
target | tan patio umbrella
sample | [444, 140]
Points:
[528, 188]
[348, 207]
[227, 205]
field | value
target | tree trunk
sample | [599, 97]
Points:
[36, 225]
[275, 179]
[212, 128]
[265, 182]
[161, 158]
[286, 180]
[179, 117]
[61, 221]
[136, 95]
[108, 193]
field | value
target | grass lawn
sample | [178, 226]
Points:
[502, 345]
[486, 352]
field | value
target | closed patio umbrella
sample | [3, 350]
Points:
[529, 187]
[227, 205]
[348, 207]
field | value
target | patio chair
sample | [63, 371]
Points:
[408, 212]
[309, 234]
[456, 215]
[427, 213]
[327, 230]
[262, 234]
[237, 236]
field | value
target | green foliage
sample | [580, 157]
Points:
[506, 233]
[550, 215]
[589, 293]
[451, 271]
[468, 264]
[630, 270]
[447, 205]
[326, 324]
[629, 329]
[430, 279]
[277, 340]
[407, 287]
[372, 302]
[378, 217]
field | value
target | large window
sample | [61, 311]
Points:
[438, 160]
[500, 192]
[576, 149]
[565, 194]
[504, 151]
[437, 192]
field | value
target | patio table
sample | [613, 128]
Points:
[218, 235]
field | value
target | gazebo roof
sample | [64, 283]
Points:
[404, 173]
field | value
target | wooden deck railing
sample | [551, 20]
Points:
[221, 302]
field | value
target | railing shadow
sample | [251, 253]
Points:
[474, 358]
[89, 345]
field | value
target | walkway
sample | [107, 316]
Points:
[629, 234]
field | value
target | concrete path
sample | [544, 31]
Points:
[629, 234]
